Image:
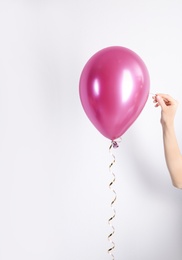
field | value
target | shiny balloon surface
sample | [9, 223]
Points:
[114, 87]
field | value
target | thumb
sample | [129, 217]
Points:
[161, 101]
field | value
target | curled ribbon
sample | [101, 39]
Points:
[114, 144]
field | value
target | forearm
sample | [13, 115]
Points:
[172, 155]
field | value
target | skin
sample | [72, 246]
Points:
[172, 152]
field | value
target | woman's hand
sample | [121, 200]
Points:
[168, 108]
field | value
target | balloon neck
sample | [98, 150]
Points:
[115, 143]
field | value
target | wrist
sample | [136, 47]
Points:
[167, 125]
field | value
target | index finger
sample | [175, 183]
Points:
[166, 97]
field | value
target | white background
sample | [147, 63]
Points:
[54, 176]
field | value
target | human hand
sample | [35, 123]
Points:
[168, 108]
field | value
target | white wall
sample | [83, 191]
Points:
[54, 195]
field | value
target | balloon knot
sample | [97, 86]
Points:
[115, 143]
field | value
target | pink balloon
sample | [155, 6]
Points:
[114, 87]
